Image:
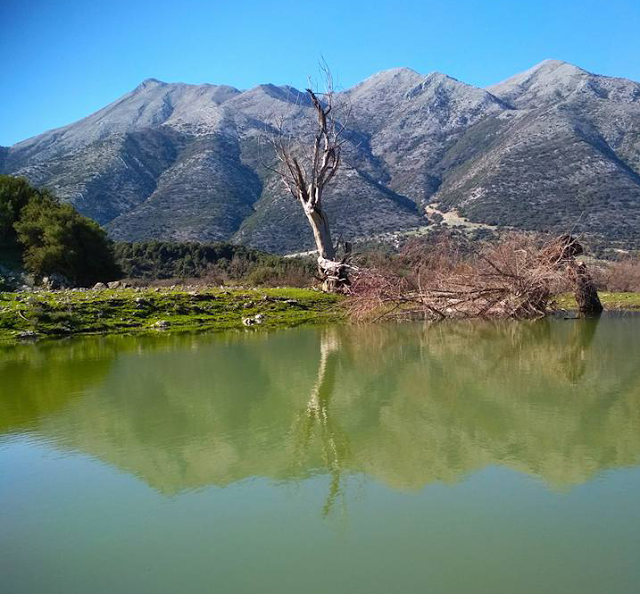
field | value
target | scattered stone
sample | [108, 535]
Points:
[114, 285]
[28, 335]
[161, 324]
[99, 286]
[257, 319]
[248, 304]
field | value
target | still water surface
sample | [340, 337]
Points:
[463, 457]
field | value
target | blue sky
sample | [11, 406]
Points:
[64, 59]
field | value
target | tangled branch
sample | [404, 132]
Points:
[515, 278]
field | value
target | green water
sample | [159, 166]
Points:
[462, 457]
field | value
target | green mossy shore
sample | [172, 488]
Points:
[610, 301]
[30, 316]
[50, 314]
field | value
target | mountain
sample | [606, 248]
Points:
[552, 148]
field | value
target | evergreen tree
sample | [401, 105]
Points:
[15, 192]
[53, 237]
[56, 238]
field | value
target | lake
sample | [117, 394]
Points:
[459, 457]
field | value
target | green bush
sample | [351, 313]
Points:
[53, 237]
[15, 193]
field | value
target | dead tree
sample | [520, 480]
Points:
[306, 177]
[564, 253]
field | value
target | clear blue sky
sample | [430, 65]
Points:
[64, 59]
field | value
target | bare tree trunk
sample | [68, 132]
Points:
[321, 233]
[564, 252]
[584, 290]
[332, 272]
[305, 174]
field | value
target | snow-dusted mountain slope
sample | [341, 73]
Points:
[546, 149]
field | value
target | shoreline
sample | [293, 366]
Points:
[620, 301]
[31, 316]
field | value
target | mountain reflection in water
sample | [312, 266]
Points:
[405, 405]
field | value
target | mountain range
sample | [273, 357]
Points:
[553, 148]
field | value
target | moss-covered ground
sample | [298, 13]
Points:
[63, 313]
[28, 316]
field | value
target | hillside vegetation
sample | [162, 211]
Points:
[212, 263]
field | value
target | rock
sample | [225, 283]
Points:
[55, 282]
[99, 286]
[257, 319]
[27, 335]
[161, 324]
[13, 281]
[114, 285]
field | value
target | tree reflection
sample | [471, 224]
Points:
[317, 418]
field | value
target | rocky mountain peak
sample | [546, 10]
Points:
[149, 83]
[391, 79]
[547, 82]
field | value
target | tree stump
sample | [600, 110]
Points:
[584, 290]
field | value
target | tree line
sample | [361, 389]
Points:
[217, 263]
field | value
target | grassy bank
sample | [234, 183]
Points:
[615, 301]
[27, 316]
[62, 313]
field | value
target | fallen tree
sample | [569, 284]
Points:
[516, 278]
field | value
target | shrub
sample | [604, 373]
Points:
[15, 193]
[56, 239]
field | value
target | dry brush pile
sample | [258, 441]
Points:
[516, 277]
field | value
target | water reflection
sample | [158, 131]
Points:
[405, 405]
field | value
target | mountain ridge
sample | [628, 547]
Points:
[541, 150]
